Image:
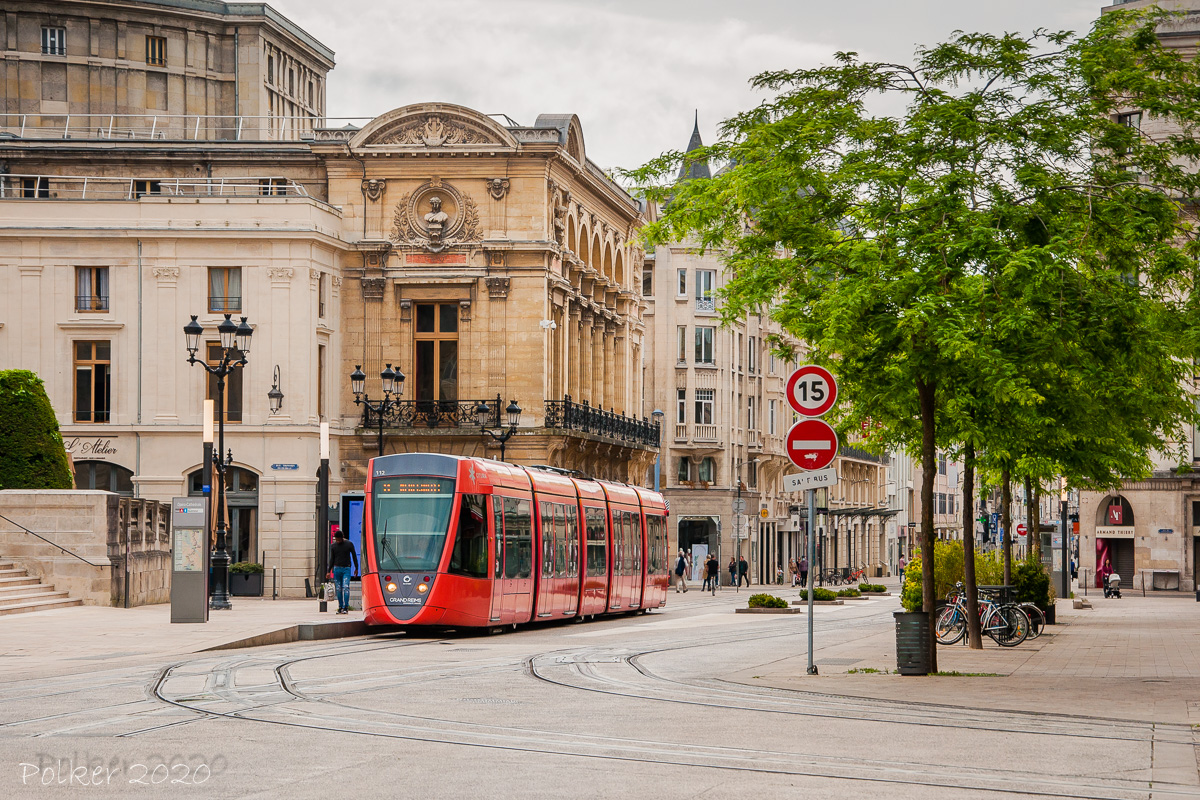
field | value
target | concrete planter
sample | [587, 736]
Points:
[877, 594]
[862, 596]
[766, 611]
[246, 584]
[837, 602]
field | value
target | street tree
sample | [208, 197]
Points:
[911, 250]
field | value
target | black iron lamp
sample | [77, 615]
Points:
[483, 415]
[275, 395]
[392, 382]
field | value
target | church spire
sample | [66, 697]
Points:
[694, 168]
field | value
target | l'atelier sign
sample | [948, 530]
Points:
[90, 447]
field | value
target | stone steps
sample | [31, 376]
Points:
[21, 592]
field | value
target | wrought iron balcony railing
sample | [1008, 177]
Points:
[433, 414]
[574, 416]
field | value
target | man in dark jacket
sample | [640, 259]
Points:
[341, 553]
[743, 571]
[681, 566]
[712, 573]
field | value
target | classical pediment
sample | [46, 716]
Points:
[432, 126]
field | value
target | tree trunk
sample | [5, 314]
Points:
[1006, 522]
[974, 636]
[926, 395]
[1035, 528]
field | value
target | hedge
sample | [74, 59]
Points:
[32, 456]
[767, 601]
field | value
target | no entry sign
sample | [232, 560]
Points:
[812, 444]
[1021, 529]
[811, 390]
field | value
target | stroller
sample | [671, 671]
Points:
[1112, 586]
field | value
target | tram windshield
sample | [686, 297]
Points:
[411, 516]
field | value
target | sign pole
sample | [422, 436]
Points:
[812, 522]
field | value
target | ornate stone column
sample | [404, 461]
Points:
[574, 336]
[587, 355]
[609, 379]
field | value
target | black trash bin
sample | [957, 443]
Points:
[912, 642]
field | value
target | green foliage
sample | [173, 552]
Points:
[872, 587]
[947, 571]
[32, 454]
[246, 568]
[767, 601]
[1032, 583]
[818, 594]
[849, 592]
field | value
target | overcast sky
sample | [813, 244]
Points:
[634, 71]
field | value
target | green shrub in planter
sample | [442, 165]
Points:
[1032, 583]
[767, 601]
[32, 456]
[848, 592]
[947, 571]
[818, 594]
[246, 568]
[872, 587]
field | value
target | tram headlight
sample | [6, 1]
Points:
[391, 587]
[422, 588]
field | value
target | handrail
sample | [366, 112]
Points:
[55, 544]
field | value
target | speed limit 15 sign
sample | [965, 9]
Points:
[811, 390]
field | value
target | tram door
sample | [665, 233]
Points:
[498, 579]
[517, 585]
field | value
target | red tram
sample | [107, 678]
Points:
[469, 542]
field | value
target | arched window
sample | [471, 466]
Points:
[104, 476]
[1115, 512]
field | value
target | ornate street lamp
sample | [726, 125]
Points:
[275, 395]
[235, 344]
[392, 382]
[483, 415]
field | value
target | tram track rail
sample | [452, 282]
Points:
[289, 705]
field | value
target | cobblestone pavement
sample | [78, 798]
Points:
[692, 700]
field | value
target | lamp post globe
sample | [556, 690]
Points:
[514, 414]
[244, 332]
[388, 376]
[228, 331]
[482, 413]
[191, 334]
[358, 381]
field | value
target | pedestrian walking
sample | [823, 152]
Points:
[804, 572]
[733, 572]
[341, 553]
[681, 567]
[712, 573]
[743, 571]
[903, 563]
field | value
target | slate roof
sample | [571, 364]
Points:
[692, 169]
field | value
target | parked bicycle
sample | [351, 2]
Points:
[1006, 623]
[856, 576]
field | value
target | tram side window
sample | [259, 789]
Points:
[518, 535]
[547, 515]
[469, 556]
[597, 563]
[617, 543]
[633, 561]
[572, 517]
[560, 540]
[498, 526]
[639, 535]
[655, 535]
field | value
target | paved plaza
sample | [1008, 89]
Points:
[692, 700]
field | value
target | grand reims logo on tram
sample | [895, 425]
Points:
[468, 542]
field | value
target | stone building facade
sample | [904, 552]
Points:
[491, 264]
[516, 284]
[163, 69]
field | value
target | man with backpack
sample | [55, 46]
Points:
[681, 568]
